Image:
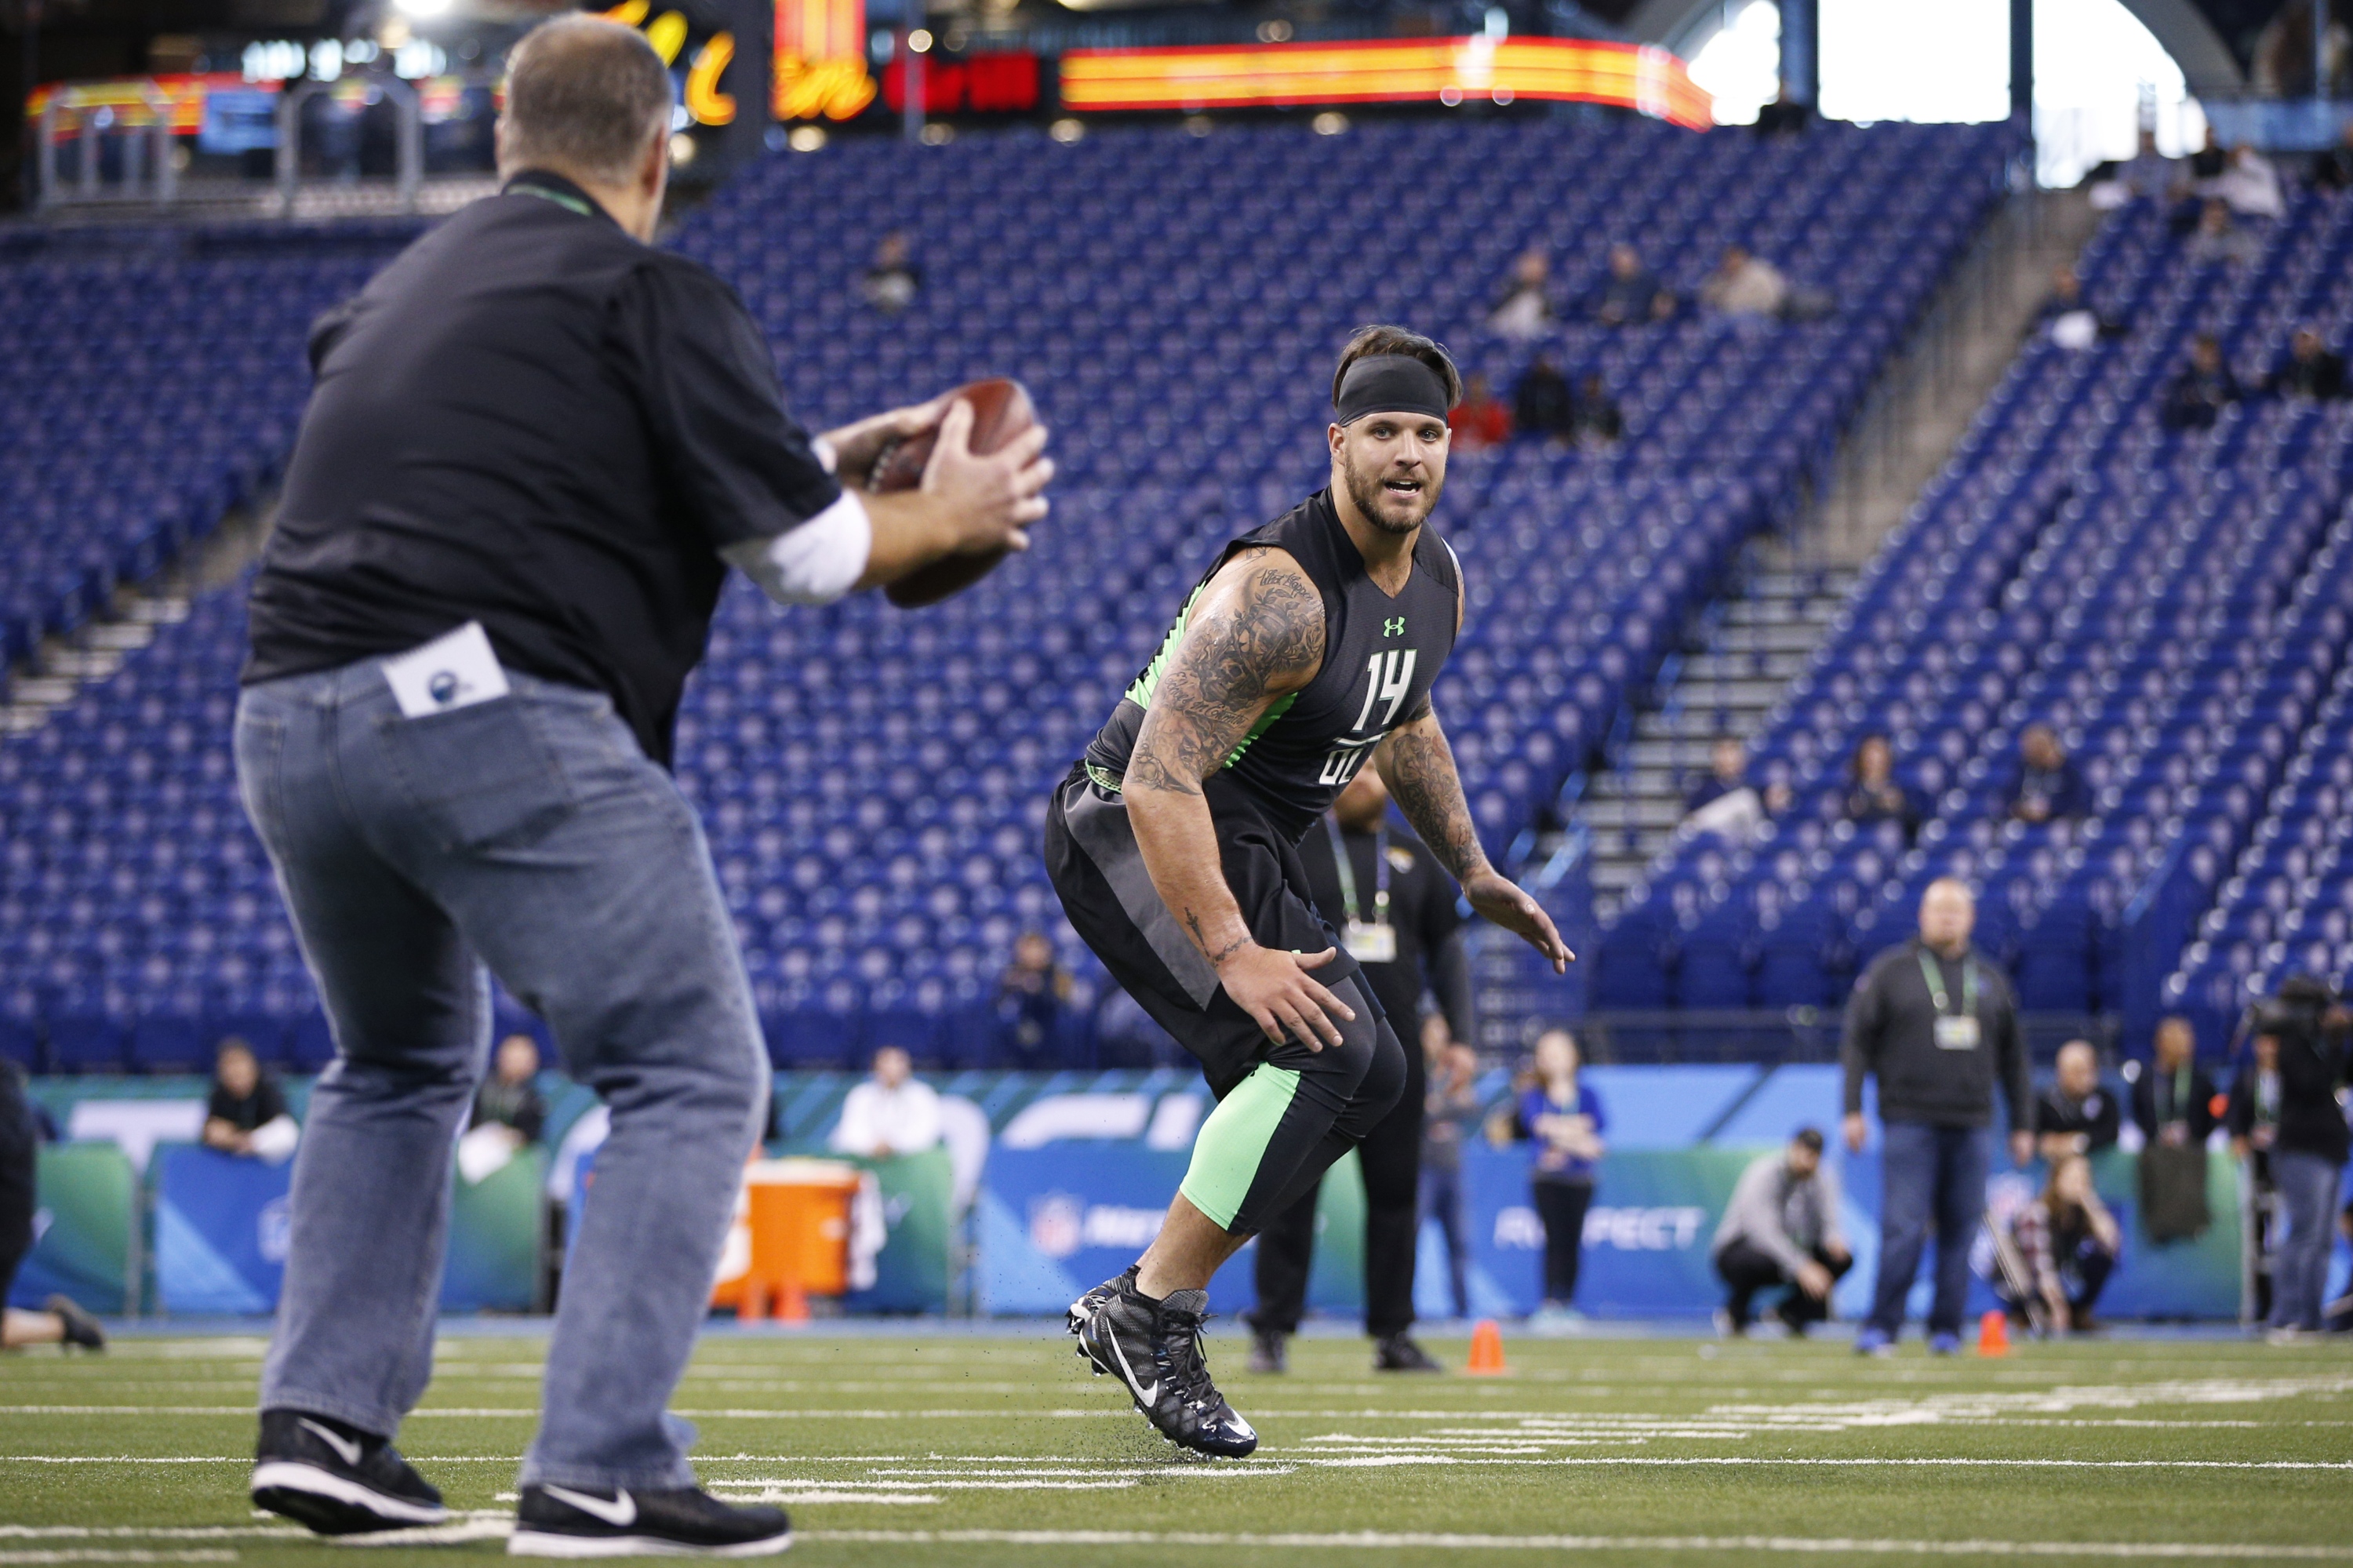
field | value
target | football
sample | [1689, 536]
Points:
[1001, 410]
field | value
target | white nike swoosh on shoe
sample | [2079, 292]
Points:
[1146, 1394]
[348, 1448]
[620, 1512]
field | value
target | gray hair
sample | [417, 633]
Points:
[583, 97]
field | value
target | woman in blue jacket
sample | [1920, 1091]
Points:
[1563, 1117]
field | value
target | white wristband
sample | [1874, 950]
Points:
[814, 563]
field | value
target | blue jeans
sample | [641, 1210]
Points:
[1931, 1175]
[531, 834]
[2307, 1188]
[1443, 1199]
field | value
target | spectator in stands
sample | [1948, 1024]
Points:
[892, 1113]
[2048, 787]
[2310, 1142]
[2201, 389]
[892, 283]
[1781, 1227]
[2150, 173]
[1872, 795]
[2310, 370]
[1480, 420]
[1633, 293]
[1936, 1024]
[243, 1102]
[2173, 1103]
[2078, 1114]
[510, 1096]
[1728, 770]
[1031, 997]
[2217, 237]
[1725, 805]
[60, 1321]
[1525, 309]
[1542, 404]
[2333, 170]
[2208, 163]
[2250, 184]
[2070, 319]
[1449, 1122]
[1563, 1117]
[2067, 1242]
[1744, 285]
[1596, 419]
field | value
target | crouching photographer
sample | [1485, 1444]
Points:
[2290, 1101]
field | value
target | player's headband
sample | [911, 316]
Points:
[1390, 384]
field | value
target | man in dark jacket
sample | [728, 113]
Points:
[2308, 1144]
[1394, 907]
[2173, 1103]
[1936, 1022]
[2078, 1114]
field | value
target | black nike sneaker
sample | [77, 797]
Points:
[81, 1328]
[1269, 1350]
[1156, 1348]
[1083, 1309]
[1397, 1352]
[558, 1521]
[336, 1479]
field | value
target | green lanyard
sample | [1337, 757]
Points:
[558, 198]
[1349, 872]
[1936, 992]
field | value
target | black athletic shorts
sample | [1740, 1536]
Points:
[1095, 865]
[19, 1165]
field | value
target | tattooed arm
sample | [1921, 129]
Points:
[1418, 766]
[1256, 633]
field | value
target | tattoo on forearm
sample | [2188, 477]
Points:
[1419, 772]
[1269, 634]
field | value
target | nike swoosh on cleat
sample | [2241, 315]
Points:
[620, 1512]
[1146, 1395]
[347, 1448]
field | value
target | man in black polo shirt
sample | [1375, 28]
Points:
[535, 446]
[1391, 904]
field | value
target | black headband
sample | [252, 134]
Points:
[1390, 384]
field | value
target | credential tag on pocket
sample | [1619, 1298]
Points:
[449, 672]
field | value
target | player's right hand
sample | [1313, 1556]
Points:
[1276, 991]
[993, 498]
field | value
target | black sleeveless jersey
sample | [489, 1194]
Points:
[1380, 655]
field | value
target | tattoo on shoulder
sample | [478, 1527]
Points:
[1261, 637]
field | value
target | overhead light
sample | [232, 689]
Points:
[806, 138]
[423, 7]
[1330, 123]
[1067, 130]
[935, 134]
[1275, 31]
[682, 149]
[920, 41]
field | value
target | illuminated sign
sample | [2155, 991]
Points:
[669, 32]
[127, 98]
[820, 71]
[1399, 71]
[999, 83]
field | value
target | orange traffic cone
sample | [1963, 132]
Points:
[792, 1302]
[1993, 1334]
[1486, 1351]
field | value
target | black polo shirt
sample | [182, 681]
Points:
[1421, 910]
[532, 421]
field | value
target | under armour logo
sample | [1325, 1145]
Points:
[1393, 627]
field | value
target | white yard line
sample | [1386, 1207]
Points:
[1698, 1544]
[78, 1554]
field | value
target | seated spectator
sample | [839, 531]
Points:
[892, 1113]
[1595, 417]
[246, 1114]
[2173, 1103]
[1480, 420]
[1781, 1227]
[1633, 293]
[2149, 173]
[2250, 184]
[891, 284]
[1727, 769]
[2201, 389]
[1031, 997]
[2218, 239]
[510, 1096]
[1744, 285]
[2333, 170]
[2208, 163]
[1725, 805]
[2065, 1245]
[2076, 1114]
[1872, 795]
[2309, 370]
[2048, 787]
[1526, 309]
[2070, 319]
[1542, 405]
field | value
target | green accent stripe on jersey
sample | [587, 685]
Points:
[1140, 693]
[1234, 1141]
[1280, 706]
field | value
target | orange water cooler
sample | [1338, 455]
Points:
[791, 1238]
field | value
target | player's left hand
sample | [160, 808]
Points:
[856, 445]
[1500, 899]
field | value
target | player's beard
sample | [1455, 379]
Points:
[1375, 502]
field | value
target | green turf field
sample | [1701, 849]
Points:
[983, 1450]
